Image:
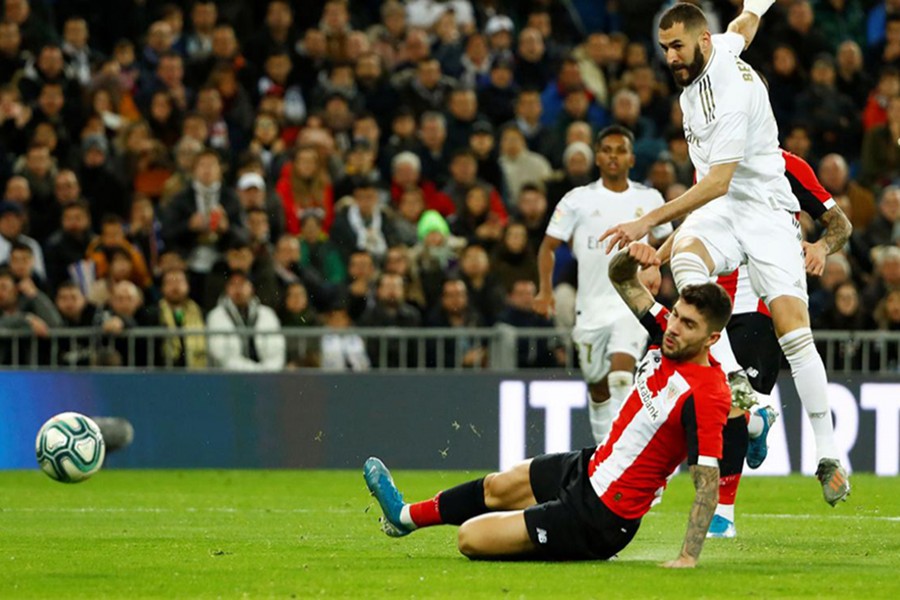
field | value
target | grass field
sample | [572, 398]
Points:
[233, 534]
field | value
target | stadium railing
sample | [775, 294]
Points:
[498, 348]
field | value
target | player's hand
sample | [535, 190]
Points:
[624, 233]
[651, 278]
[815, 258]
[544, 304]
[643, 254]
[682, 562]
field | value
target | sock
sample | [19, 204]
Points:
[459, 504]
[754, 425]
[734, 449]
[421, 514]
[601, 419]
[724, 354]
[620, 383]
[689, 269]
[812, 387]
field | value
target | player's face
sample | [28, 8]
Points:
[687, 334]
[614, 156]
[683, 52]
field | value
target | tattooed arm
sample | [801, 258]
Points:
[706, 484]
[837, 232]
[623, 275]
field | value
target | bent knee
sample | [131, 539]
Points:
[467, 541]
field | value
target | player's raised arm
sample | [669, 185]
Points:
[746, 24]
[706, 486]
[713, 186]
[623, 269]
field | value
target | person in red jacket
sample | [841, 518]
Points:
[305, 184]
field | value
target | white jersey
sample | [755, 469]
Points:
[728, 118]
[582, 216]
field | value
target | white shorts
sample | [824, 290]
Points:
[767, 240]
[625, 336]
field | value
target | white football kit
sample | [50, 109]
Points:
[603, 323]
[728, 118]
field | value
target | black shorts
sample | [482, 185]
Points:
[756, 348]
[570, 522]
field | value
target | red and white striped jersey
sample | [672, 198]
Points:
[814, 200]
[675, 411]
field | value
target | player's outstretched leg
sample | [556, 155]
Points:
[760, 422]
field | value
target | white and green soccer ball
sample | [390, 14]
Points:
[70, 447]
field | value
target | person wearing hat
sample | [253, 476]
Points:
[483, 144]
[12, 223]
[364, 225]
[239, 308]
[499, 30]
[253, 193]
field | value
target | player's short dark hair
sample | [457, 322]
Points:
[687, 14]
[614, 130]
[712, 301]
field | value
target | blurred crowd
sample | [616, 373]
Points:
[371, 163]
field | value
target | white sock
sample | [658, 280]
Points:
[724, 354]
[601, 419]
[812, 387]
[405, 518]
[726, 511]
[689, 269]
[620, 383]
[755, 425]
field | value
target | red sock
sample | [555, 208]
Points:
[728, 487]
[426, 513]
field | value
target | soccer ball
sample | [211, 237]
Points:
[70, 447]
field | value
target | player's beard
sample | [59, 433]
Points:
[681, 353]
[693, 69]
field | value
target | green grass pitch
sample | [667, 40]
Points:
[294, 534]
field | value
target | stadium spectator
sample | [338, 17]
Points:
[262, 348]
[427, 88]
[852, 79]
[199, 221]
[301, 351]
[463, 177]
[317, 251]
[531, 211]
[831, 115]
[305, 184]
[454, 311]
[881, 230]
[888, 86]
[520, 165]
[475, 222]
[12, 224]
[435, 255]
[800, 33]
[834, 174]
[12, 57]
[359, 167]
[260, 268]
[289, 270]
[578, 170]
[342, 351]
[433, 150]
[531, 353]
[500, 29]
[528, 109]
[98, 180]
[497, 97]
[18, 350]
[533, 66]
[399, 262]
[68, 244]
[359, 291]
[837, 271]
[462, 113]
[887, 277]
[112, 236]
[484, 291]
[482, 143]
[887, 53]
[391, 310]
[513, 259]
[363, 225]
[786, 82]
[178, 312]
[75, 313]
[880, 152]
[125, 311]
[406, 170]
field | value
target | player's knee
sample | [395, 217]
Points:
[467, 541]
[492, 489]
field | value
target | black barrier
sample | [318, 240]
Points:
[416, 421]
